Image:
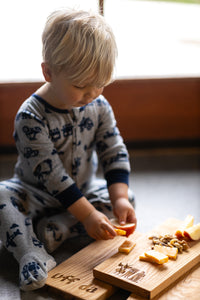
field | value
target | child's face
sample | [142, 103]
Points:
[68, 95]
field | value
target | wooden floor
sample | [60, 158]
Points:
[165, 183]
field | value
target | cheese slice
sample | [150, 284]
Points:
[154, 256]
[169, 251]
[143, 257]
[126, 247]
[120, 231]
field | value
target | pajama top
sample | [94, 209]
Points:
[58, 149]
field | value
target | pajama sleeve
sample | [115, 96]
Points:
[39, 163]
[110, 147]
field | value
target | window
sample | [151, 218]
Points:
[21, 24]
[155, 39]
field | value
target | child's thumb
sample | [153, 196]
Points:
[122, 220]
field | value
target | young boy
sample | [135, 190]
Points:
[58, 132]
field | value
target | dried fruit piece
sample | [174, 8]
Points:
[170, 252]
[126, 247]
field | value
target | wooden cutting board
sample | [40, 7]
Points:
[74, 277]
[187, 288]
[143, 278]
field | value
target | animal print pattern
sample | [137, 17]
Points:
[58, 156]
[57, 149]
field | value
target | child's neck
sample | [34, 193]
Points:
[46, 92]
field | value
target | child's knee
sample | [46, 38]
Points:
[4, 195]
[11, 198]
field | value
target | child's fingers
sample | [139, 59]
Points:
[122, 219]
[127, 217]
[103, 235]
[131, 218]
[108, 229]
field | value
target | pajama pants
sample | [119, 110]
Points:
[33, 224]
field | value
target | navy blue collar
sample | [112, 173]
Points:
[63, 111]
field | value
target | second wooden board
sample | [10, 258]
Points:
[144, 278]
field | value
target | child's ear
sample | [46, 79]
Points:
[46, 72]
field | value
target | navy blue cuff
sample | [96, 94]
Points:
[69, 196]
[117, 175]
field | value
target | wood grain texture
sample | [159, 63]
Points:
[12, 96]
[157, 277]
[74, 276]
[74, 279]
[156, 109]
[145, 109]
[186, 288]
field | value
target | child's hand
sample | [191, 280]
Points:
[98, 226]
[122, 208]
[124, 211]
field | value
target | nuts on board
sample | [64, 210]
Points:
[170, 240]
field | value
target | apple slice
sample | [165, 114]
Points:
[193, 232]
[188, 222]
[128, 227]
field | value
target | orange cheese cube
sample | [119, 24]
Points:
[126, 247]
[120, 231]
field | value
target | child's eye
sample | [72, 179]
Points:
[79, 87]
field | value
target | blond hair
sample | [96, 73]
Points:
[82, 45]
